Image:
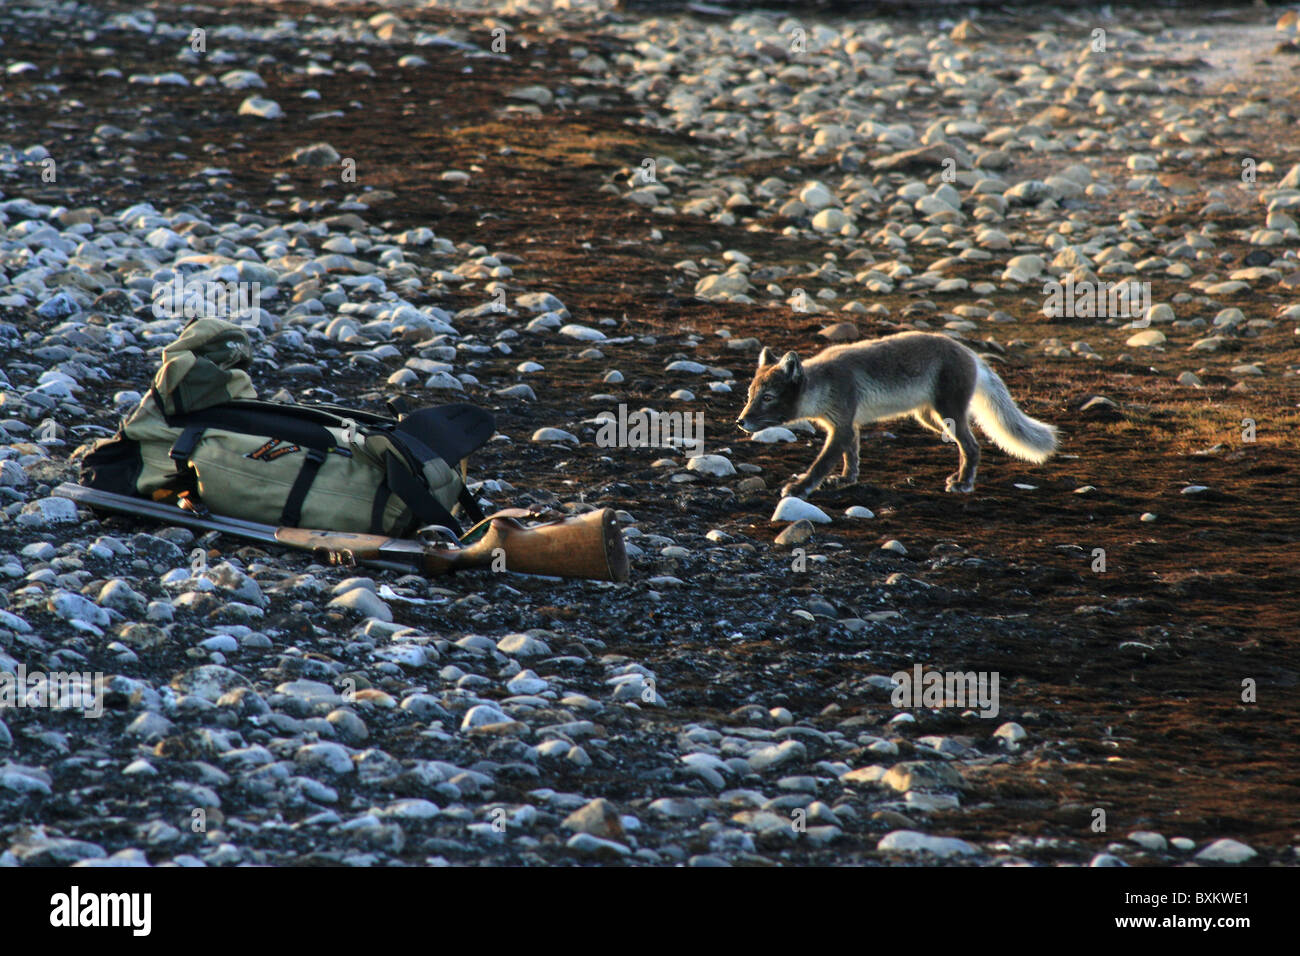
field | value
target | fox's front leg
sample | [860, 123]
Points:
[806, 484]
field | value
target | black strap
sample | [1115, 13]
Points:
[292, 513]
[469, 505]
[183, 448]
[426, 508]
[261, 419]
[382, 494]
[177, 403]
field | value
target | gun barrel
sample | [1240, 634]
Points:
[171, 514]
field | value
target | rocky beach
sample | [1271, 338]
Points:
[566, 213]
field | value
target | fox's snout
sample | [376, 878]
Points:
[754, 417]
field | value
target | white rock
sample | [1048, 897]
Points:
[74, 607]
[532, 94]
[830, 220]
[776, 433]
[364, 602]
[526, 682]
[261, 107]
[1011, 732]
[1026, 265]
[332, 757]
[481, 715]
[1226, 851]
[522, 645]
[910, 841]
[1149, 840]
[582, 333]
[795, 509]
[413, 808]
[242, 80]
[716, 466]
[540, 302]
[816, 196]
[48, 511]
[1147, 338]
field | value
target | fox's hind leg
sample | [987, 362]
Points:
[954, 389]
[963, 479]
[957, 424]
[849, 475]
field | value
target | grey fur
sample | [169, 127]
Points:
[938, 381]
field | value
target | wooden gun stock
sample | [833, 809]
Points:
[584, 546]
[587, 546]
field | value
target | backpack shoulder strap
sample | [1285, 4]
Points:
[449, 432]
[415, 495]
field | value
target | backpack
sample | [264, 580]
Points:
[201, 428]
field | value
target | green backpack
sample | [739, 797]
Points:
[201, 428]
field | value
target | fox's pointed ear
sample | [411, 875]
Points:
[791, 366]
[765, 357]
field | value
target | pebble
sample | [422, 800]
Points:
[1148, 338]
[364, 602]
[1226, 851]
[796, 509]
[1149, 841]
[261, 107]
[913, 842]
[1011, 732]
[715, 466]
[599, 818]
[522, 645]
[795, 534]
[46, 512]
[775, 433]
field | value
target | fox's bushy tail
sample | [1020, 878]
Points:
[998, 416]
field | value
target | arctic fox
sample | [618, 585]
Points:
[936, 380]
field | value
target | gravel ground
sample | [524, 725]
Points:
[554, 212]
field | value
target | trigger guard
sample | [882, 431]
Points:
[436, 534]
